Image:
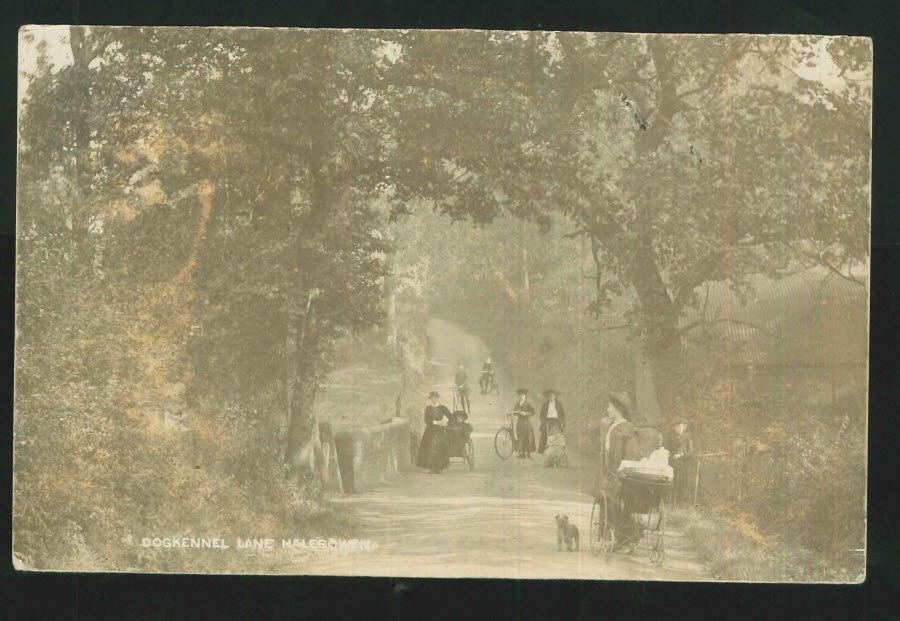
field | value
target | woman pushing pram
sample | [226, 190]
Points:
[633, 479]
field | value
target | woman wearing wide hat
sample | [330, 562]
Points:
[434, 449]
[524, 432]
[552, 416]
[621, 442]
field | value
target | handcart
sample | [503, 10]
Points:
[459, 433]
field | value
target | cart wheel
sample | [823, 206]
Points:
[470, 454]
[503, 443]
[603, 537]
[657, 535]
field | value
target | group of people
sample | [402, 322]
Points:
[487, 382]
[434, 447]
[622, 442]
[552, 420]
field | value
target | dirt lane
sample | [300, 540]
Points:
[497, 521]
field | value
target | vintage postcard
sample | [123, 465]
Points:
[442, 303]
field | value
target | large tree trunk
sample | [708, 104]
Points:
[660, 360]
[303, 449]
[524, 336]
[303, 454]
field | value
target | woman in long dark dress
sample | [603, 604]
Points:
[434, 449]
[525, 444]
[621, 442]
[553, 418]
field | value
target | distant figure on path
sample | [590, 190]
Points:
[524, 431]
[462, 387]
[553, 418]
[434, 449]
[486, 382]
[681, 457]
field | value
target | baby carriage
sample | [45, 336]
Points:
[555, 453]
[637, 513]
[460, 435]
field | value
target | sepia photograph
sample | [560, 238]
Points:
[442, 303]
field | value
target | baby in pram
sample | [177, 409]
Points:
[459, 431]
[555, 453]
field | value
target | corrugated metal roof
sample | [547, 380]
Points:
[815, 307]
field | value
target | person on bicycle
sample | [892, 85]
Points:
[462, 388]
[487, 376]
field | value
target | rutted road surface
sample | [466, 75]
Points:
[497, 521]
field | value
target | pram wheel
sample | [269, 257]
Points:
[656, 533]
[602, 535]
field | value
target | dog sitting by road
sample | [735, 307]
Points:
[566, 532]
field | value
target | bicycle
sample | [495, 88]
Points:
[458, 403]
[488, 383]
[505, 438]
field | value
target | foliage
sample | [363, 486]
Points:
[732, 128]
[789, 446]
[168, 253]
[189, 264]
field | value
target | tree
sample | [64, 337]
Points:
[681, 160]
[199, 248]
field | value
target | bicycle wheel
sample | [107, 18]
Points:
[470, 454]
[503, 443]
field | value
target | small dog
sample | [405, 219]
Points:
[568, 532]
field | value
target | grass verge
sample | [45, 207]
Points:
[735, 553]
